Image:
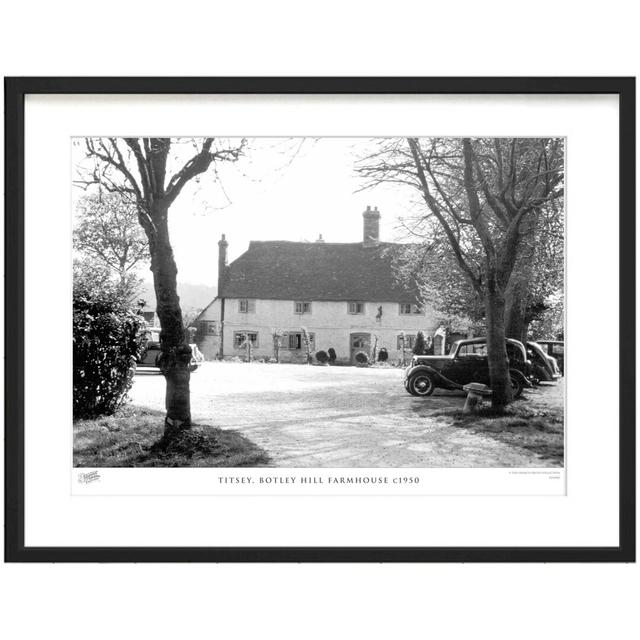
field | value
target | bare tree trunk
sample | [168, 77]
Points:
[517, 295]
[147, 185]
[497, 351]
[516, 310]
[175, 355]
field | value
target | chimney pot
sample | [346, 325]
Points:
[371, 227]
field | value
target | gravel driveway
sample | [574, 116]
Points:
[311, 416]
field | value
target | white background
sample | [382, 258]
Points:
[307, 601]
[587, 516]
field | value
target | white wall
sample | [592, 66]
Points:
[329, 321]
[210, 344]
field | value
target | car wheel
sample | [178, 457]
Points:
[421, 384]
[516, 386]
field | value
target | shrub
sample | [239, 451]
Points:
[362, 358]
[322, 357]
[331, 352]
[106, 342]
[383, 355]
[420, 346]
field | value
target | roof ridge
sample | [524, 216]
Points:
[324, 243]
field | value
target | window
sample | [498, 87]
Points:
[209, 328]
[356, 307]
[240, 337]
[302, 307]
[295, 341]
[409, 342]
[247, 306]
[408, 309]
[466, 350]
[514, 352]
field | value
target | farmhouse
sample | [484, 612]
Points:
[278, 295]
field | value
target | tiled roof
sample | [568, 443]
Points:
[279, 270]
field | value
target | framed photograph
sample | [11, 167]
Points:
[320, 319]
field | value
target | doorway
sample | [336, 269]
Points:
[360, 342]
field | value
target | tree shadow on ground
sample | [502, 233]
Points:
[540, 431]
[133, 437]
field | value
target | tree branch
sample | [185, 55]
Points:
[199, 164]
[475, 210]
[414, 146]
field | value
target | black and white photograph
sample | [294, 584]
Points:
[318, 302]
[320, 321]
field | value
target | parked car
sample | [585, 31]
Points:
[545, 367]
[151, 350]
[555, 349]
[467, 362]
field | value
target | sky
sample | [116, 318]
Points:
[283, 189]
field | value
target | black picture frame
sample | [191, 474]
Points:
[15, 91]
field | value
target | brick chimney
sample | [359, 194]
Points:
[222, 261]
[371, 227]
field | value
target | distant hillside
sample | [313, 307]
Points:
[193, 297]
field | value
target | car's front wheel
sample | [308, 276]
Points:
[516, 386]
[421, 384]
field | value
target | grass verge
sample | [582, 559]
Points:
[133, 437]
[536, 430]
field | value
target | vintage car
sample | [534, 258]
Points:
[545, 367]
[467, 362]
[555, 349]
[151, 350]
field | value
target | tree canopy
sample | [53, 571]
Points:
[107, 231]
[150, 173]
[483, 204]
